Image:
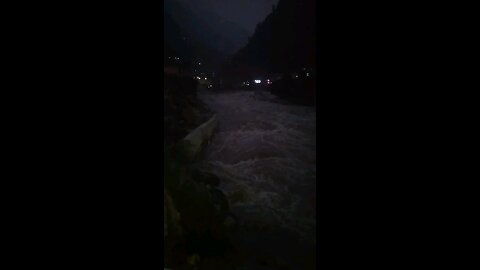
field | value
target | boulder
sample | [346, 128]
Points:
[171, 222]
[220, 201]
[230, 221]
[196, 139]
[206, 178]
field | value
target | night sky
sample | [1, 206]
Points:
[245, 13]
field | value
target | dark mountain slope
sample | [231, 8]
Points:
[227, 29]
[179, 42]
[175, 41]
[282, 43]
[210, 30]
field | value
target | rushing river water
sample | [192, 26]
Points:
[264, 152]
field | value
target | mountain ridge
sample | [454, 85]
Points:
[209, 29]
[284, 42]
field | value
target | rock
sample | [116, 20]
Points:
[173, 233]
[188, 114]
[206, 178]
[238, 196]
[194, 259]
[270, 261]
[230, 221]
[165, 224]
[172, 227]
[220, 201]
[198, 137]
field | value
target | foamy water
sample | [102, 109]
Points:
[264, 153]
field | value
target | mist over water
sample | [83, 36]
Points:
[264, 153]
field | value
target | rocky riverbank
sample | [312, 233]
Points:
[197, 222]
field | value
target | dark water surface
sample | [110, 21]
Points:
[264, 152]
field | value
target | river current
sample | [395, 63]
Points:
[264, 152]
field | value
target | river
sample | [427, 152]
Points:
[264, 152]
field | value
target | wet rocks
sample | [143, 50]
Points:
[200, 136]
[230, 221]
[238, 196]
[171, 218]
[271, 261]
[173, 233]
[220, 201]
[206, 178]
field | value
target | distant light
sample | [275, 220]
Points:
[205, 78]
[198, 78]
[199, 63]
[308, 74]
[258, 81]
